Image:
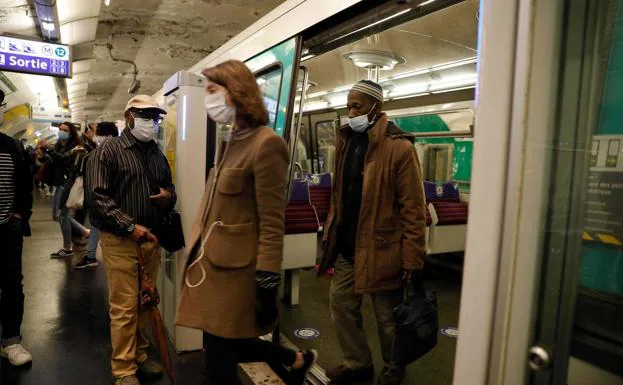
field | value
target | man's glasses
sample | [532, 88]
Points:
[155, 117]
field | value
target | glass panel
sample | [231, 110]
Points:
[325, 135]
[581, 309]
[284, 55]
[270, 85]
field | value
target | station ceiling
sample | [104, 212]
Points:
[160, 36]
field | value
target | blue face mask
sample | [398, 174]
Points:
[62, 135]
[361, 123]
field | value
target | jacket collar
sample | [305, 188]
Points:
[127, 139]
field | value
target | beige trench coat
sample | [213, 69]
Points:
[247, 221]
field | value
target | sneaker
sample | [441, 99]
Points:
[86, 263]
[345, 375]
[298, 376]
[62, 253]
[128, 380]
[16, 354]
[392, 375]
[150, 368]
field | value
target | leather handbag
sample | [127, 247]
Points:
[170, 232]
[417, 324]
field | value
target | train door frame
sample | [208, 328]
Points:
[521, 300]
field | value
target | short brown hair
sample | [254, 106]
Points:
[243, 89]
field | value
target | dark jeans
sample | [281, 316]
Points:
[11, 290]
[223, 355]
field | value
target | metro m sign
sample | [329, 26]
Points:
[34, 56]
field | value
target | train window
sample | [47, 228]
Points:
[325, 138]
[269, 80]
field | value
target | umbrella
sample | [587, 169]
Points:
[149, 299]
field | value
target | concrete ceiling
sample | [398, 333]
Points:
[162, 37]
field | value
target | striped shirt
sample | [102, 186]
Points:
[7, 187]
[120, 177]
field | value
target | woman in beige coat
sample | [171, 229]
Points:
[233, 272]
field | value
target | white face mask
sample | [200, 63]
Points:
[217, 108]
[144, 129]
[63, 135]
[361, 123]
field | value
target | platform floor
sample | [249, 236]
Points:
[436, 368]
[66, 323]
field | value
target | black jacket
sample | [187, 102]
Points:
[62, 161]
[22, 203]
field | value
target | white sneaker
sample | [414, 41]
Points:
[16, 354]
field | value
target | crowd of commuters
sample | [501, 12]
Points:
[374, 237]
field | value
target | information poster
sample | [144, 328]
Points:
[604, 203]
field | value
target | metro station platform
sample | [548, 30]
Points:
[66, 322]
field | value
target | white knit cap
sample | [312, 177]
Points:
[369, 88]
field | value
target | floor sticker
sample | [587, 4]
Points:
[449, 331]
[307, 333]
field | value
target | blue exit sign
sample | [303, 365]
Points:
[34, 57]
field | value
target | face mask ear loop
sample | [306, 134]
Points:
[201, 255]
[374, 118]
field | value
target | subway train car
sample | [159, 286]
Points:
[514, 109]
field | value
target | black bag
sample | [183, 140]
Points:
[417, 324]
[170, 233]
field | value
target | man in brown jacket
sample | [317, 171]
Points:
[375, 234]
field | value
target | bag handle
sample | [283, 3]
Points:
[141, 257]
[414, 286]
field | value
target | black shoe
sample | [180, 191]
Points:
[298, 376]
[345, 375]
[62, 253]
[392, 375]
[86, 263]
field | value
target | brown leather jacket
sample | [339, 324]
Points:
[391, 233]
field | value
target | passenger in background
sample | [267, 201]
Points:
[101, 133]
[129, 190]
[375, 233]
[88, 137]
[63, 156]
[234, 269]
[15, 210]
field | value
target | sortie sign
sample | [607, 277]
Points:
[34, 57]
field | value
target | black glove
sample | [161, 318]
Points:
[266, 298]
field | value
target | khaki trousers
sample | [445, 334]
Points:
[348, 320]
[126, 321]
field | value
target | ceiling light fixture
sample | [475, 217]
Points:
[426, 3]
[48, 26]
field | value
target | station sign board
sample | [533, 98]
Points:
[34, 56]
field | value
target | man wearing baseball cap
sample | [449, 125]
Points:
[129, 190]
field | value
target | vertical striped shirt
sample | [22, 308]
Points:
[7, 186]
[120, 177]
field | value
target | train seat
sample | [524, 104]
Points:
[320, 195]
[446, 218]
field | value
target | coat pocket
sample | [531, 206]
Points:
[232, 247]
[231, 181]
[387, 254]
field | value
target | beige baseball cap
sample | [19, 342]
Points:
[144, 102]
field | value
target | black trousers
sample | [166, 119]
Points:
[11, 290]
[223, 356]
